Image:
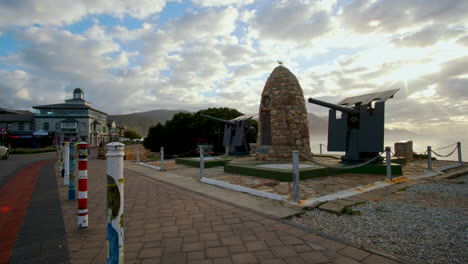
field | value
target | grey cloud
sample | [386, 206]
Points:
[50, 12]
[394, 15]
[429, 36]
[292, 20]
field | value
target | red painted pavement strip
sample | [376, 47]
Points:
[14, 201]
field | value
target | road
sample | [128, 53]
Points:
[31, 223]
[9, 167]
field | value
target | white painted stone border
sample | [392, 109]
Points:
[149, 166]
[272, 196]
[369, 187]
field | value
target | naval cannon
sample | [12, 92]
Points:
[359, 131]
[235, 133]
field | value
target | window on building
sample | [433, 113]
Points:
[32, 126]
[57, 126]
[83, 125]
[21, 126]
[46, 126]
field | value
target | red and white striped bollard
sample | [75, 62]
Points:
[82, 185]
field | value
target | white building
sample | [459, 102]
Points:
[74, 120]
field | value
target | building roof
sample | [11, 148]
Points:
[10, 111]
[67, 106]
[17, 117]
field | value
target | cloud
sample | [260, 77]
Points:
[397, 16]
[299, 21]
[217, 3]
[50, 12]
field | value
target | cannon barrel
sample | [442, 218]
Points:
[219, 119]
[334, 106]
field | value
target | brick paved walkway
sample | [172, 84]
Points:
[167, 224]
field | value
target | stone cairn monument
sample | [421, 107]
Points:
[282, 123]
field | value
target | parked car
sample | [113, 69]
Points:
[4, 152]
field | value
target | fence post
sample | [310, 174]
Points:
[138, 154]
[320, 148]
[66, 164]
[429, 158]
[388, 158]
[295, 167]
[82, 185]
[459, 152]
[202, 163]
[71, 185]
[162, 159]
[115, 202]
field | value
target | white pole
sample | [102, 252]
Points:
[429, 158]
[138, 154]
[162, 159]
[389, 163]
[66, 164]
[202, 163]
[115, 202]
[295, 165]
[459, 152]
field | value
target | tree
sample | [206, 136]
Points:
[131, 134]
[185, 131]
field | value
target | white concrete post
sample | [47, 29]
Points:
[459, 152]
[388, 158]
[138, 154]
[295, 167]
[429, 158]
[202, 163]
[66, 164]
[320, 148]
[162, 159]
[115, 202]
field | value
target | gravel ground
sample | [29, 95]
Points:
[426, 223]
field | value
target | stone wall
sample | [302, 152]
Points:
[283, 125]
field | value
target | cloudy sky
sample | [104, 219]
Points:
[141, 55]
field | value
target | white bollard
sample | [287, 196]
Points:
[162, 159]
[66, 164]
[388, 158]
[429, 158]
[115, 202]
[202, 163]
[138, 154]
[459, 152]
[295, 167]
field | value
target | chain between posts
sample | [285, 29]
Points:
[444, 156]
[346, 167]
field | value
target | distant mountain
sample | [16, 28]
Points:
[140, 122]
[317, 125]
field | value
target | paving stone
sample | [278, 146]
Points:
[150, 252]
[196, 255]
[178, 258]
[243, 258]
[237, 249]
[192, 246]
[256, 246]
[222, 261]
[217, 252]
[283, 251]
[354, 253]
[315, 257]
